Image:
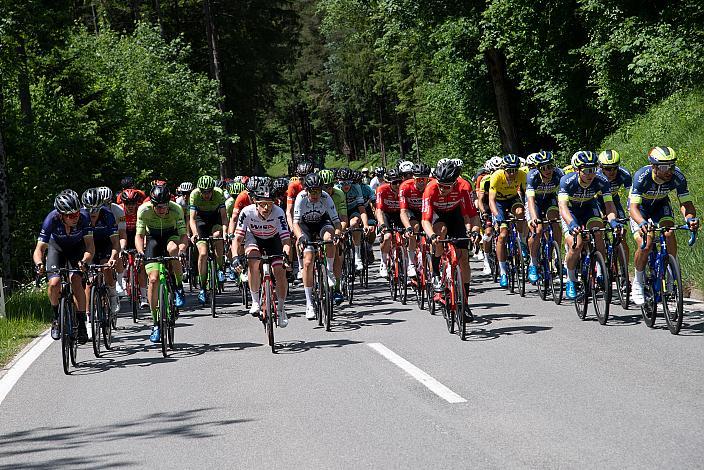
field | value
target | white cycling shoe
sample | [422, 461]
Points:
[310, 312]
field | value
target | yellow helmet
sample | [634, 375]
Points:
[609, 157]
[661, 155]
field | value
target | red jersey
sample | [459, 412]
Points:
[242, 201]
[387, 199]
[131, 214]
[458, 197]
[409, 196]
[293, 189]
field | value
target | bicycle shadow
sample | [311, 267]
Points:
[338, 326]
[300, 346]
[483, 334]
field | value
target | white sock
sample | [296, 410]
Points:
[255, 297]
[358, 251]
[486, 262]
[534, 260]
[572, 274]
[309, 295]
[412, 256]
[143, 291]
[640, 277]
[281, 305]
[330, 262]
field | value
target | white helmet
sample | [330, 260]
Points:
[442, 161]
[530, 159]
[495, 162]
[457, 161]
[522, 160]
[185, 187]
[405, 167]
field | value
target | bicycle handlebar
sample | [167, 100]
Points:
[690, 242]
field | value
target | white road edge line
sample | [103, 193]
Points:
[433, 385]
[18, 367]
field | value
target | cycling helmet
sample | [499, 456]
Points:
[365, 170]
[345, 174]
[236, 188]
[421, 170]
[131, 196]
[263, 188]
[356, 176]
[510, 161]
[496, 163]
[252, 183]
[158, 183]
[662, 155]
[105, 194]
[405, 167]
[522, 160]
[443, 161]
[609, 158]
[543, 158]
[327, 177]
[447, 172]
[221, 183]
[393, 176]
[379, 172]
[206, 182]
[185, 187]
[458, 162]
[91, 198]
[127, 182]
[312, 181]
[66, 202]
[584, 159]
[531, 160]
[280, 186]
[304, 168]
[160, 194]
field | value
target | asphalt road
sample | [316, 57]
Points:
[541, 389]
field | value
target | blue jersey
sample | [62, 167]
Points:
[354, 197]
[540, 189]
[106, 226]
[54, 229]
[647, 192]
[571, 190]
[368, 194]
[623, 179]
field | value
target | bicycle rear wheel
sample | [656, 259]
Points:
[325, 298]
[134, 293]
[649, 309]
[556, 281]
[672, 295]
[620, 272]
[213, 283]
[171, 319]
[600, 289]
[392, 273]
[543, 283]
[108, 320]
[419, 281]
[163, 316]
[74, 336]
[350, 274]
[65, 335]
[520, 273]
[460, 304]
[429, 291]
[95, 319]
[269, 314]
[402, 274]
[581, 300]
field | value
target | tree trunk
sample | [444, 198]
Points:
[399, 135]
[507, 128]
[5, 271]
[157, 10]
[381, 135]
[23, 83]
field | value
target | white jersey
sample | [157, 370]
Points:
[376, 182]
[119, 214]
[250, 222]
[306, 211]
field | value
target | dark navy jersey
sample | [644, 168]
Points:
[106, 226]
[53, 228]
[571, 190]
[647, 192]
[543, 190]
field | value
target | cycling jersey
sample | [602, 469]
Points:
[568, 169]
[294, 187]
[340, 201]
[409, 196]
[457, 198]
[207, 207]
[242, 201]
[140, 193]
[149, 222]
[229, 206]
[504, 189]
[375, 183]
[387, 200]
[119, 213]
[368, 194]
[250, 221]
[131, 211]
[647, 192]
[354, 198]
[571, 190]
[183, 202]
[543, 190]
[105, 226]
[54, 229]
[309, 212]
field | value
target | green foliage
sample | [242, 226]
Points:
[28, 314]
[677, 122]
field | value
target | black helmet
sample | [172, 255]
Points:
[280, 186]
[379, 172]
[312, 181]
[127, 182]
[160, 195]
[304, 168]
[447, 172]
[92, 199]
[263, 188]
[393, 176]
[356, 176]
[67, 203]
[252, 183]
[421, 170]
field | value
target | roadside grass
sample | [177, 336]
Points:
[28, 314]
[677, 122]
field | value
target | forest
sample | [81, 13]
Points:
[92, 90]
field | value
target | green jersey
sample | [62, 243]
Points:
[229, 206]
[210, 207]
[149, 222]
[340, 199]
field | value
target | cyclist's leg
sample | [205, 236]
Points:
[440, 228]
[553, 213]
[327, 233]
[518, 211]
[536, 233]
[502, 241]
[172, 250]
[572, 255]
[55, 259]
[665, 218]
[253, 267]
[310, 232]
[204, 231]
[219, 247]
[640, 257]
[155, 247]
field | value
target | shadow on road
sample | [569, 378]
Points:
[483, 334]
[299, 346]
[25, 447]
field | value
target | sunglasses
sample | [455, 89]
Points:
[422, 179]
[590, 170]
[315, 191]
[609, 168]
[665, 168]
[265, 203]
[445, 186]
[206, 191]
[162, 206]
[346, 183]
[511, 171]
[94, 210]
[546, 167]
[72, 215]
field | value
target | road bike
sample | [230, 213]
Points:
[166, 301]
[594, 278]
[663, 281]
[397, 264]
[454, 297]
[549, 264]
[268, 313]
[215, 287]
[132, 282]
[102, 319]
[617, 262]
[515, 262]
[68, 320]
[322, 290]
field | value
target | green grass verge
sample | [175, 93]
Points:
[677, 122]
[28, 314]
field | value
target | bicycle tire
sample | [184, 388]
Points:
[543, 283]
[419, 284]
[350, 275]
[520, 273]
[213, 285]
[65, 326]
[325, 297]
[74, 336]
[621, 276]
[511, 272]
[163, 315]
[134, 294]
[171, 319]
[649, 309]
[672, 289]
[94, 307]
[269, 313]
[107, 325]
[460, 303]
[600, 294]
[557, 287]
[403, 275]
[581, 300]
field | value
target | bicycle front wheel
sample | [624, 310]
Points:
[649, 309]
[429, 291]
[556, 281]
[460, 305]
[581, 300]
[519, 264]
[269, 313]
[163, 316]
[402, 275]
[95, 319]
[66, 334]
[600, 287]
[672, 295]
[213, 286]
[134, 293]
[620, 272]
